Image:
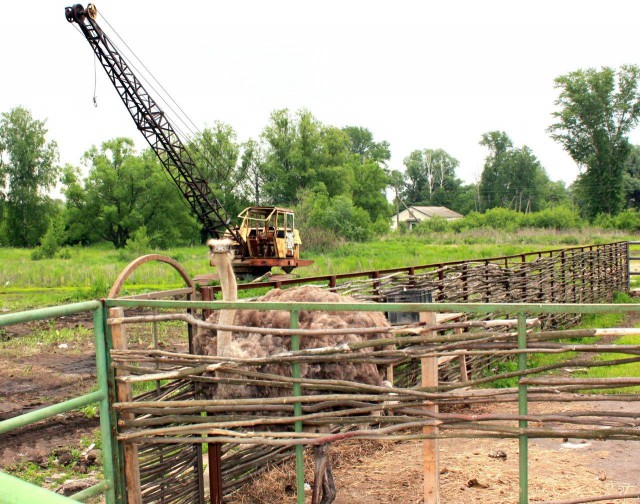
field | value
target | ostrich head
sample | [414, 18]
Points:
[220, 251]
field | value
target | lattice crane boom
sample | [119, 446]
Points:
[156, 128]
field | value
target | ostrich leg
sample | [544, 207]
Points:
[318, 476]
[323, 477]
[328, 485]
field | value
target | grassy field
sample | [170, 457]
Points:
[90, 271]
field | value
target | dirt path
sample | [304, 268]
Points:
[472, 471]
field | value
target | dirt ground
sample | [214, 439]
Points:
[36, 377]
[471, 471]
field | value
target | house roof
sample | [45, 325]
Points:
[426, 212]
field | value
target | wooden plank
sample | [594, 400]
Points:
[464, 375]
[430, 458]
[447, 317]
[446, 358]
[162, 294]
[214, 450]
[124, 393]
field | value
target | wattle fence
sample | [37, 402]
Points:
[449, 358]
[587, 274]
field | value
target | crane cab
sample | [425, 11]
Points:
[270, 239]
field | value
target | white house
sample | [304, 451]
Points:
[414, 214]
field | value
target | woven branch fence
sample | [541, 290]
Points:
[258, 430]
[587, 274]
[468, 350]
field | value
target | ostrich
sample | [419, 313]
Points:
[223, 343]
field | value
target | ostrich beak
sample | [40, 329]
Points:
[219, 246]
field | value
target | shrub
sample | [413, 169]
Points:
[570, 240]
[139, 244]
[37, 254]
[65, 253]
[503, 219]
[554, 218]
[380, 227]
[628, 220]
[321, 240]
[339, 215]
[435, 224]
[604, 221]
[51, 241]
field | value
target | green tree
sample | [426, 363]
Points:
[369, 192]
[302, 156]
[631, 178]
[122, 193]
[216, 152]
[511, 178]
[396, 182]
[293, 154]
[431, 178]
[27, 170]
[597, 110]
[363, 145]
[252, 171]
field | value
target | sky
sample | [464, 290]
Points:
[418, 74]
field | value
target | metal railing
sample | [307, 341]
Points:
[520, 310]
[15, 490]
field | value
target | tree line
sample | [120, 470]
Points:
[336, 179]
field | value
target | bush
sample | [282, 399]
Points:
[321, 240]
[65, 253]
[569, 240]
[629, 220]
[37, 254]
[435, 224]
[503, 219]
[139, 244]
[51, 241]
[339, 215]
[604, 221]
[554, 218]
[380, 227]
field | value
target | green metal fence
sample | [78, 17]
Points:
[520, 310]
[16, 491]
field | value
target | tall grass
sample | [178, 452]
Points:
[89, 272]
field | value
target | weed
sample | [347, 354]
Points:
[499, 368]
[69, 462]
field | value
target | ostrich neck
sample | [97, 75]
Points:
[229, 293]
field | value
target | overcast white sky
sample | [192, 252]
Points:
[419, 74]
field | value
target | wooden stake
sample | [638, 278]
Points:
[464, 375]
[430, 447]
[124, 393]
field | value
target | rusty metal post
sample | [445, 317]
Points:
[214, 450]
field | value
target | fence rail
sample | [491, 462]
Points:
[555, 285]
[18, 491]
[354, 407]
[582, 274]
